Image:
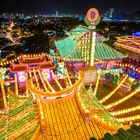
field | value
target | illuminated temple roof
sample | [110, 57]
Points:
[131, 43]
[67, 48]
[87, 35]
[103, 51]
[79, 30]
[82, 31]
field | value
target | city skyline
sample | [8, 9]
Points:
[67, 7]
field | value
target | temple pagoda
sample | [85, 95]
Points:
[83, 43]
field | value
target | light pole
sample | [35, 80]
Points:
[92, 19]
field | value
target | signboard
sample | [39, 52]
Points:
[92, 17]
[21, 76]
[46, 73]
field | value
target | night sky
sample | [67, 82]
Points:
[66, 6]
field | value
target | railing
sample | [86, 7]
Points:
[33, 89]
[89, 114]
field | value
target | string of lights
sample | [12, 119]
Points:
[131, 118]
[97, 82]
[111, 93]
[122, 99]
[124, 111]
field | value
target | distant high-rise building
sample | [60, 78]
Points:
[56, 13]
[111, 11]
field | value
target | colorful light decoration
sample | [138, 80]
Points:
[131, 118]
[46, 73]
[5, 62]
[36, 79]
[92, 19]
[56, 80]
[97, 82]
[86, 102]
[21, 118]
[27, 91]
[129, 42]
[42, 116]
[21, 76]
[50, 86]
[4, 96]
[127, 66]
[122, 100]
[92, 15]
[92, 109]
[16, 84]
[52, 92]
[111, 93]
[124, 111]
[69, 80]
[92, 51]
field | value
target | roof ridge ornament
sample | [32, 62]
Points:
[92, 18]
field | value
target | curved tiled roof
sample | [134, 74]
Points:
[68, 46]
